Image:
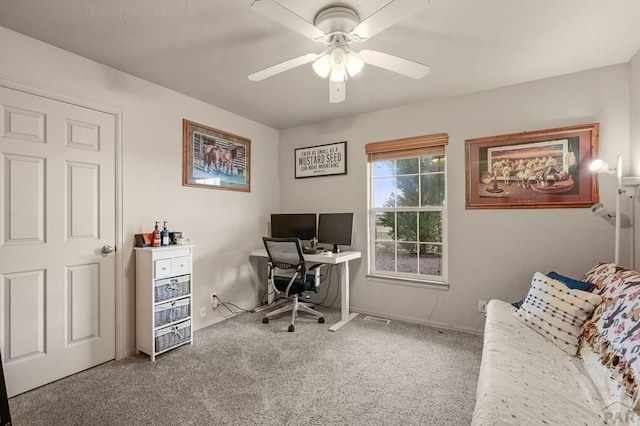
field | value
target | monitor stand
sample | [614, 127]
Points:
[336, 248]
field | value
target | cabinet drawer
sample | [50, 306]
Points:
[181, 265]
[163, 268]
[174, 335]
[166, 313]
[171, 288]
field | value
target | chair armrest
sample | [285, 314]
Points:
[315, 270]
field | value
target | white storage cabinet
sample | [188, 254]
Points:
[164, 302]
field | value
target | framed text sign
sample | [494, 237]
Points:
[321, 160]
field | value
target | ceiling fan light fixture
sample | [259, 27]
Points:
[354, 64]
[321, 66]
[338, 75]
[337, 26]
[337, 58]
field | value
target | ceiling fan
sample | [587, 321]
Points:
[337, 27]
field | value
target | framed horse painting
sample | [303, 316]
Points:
[540, 169]
[212, 158]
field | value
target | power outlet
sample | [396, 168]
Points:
[203, 312]
[214, 301]
[482, 306]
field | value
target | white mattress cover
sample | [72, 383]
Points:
[525, 379]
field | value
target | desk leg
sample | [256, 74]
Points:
[345, 316]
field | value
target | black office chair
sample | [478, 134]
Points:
[288, 275]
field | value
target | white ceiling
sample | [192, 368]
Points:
[206, 48]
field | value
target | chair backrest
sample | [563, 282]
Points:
[285, 254]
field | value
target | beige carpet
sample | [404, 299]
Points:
[243, 372]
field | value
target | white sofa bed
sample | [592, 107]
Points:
[528, 377]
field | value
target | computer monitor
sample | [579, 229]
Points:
[289, 225]
[335, 228]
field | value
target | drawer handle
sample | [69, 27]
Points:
[176, 331]
[174, 284]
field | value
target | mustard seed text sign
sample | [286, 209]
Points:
[321, 160]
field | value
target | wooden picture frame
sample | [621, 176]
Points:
[539, 169]
[212, 158]
[321, 160]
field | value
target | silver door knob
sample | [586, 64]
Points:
[107, 249]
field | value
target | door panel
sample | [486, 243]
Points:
[57, 291]
[24, 324]
[83, 195]
[83, 290]
[23, 198]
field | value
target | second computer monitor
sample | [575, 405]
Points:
[300, 225]
[335, 228]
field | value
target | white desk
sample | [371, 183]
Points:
[342, 259]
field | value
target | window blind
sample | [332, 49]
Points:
[417, 146]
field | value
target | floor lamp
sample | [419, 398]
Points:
[632, 182]
[601, 167]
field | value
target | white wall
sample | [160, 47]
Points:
[492, 253]
[224, 225]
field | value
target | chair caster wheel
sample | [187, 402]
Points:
[321, 320]
[291, 328]
[265, 320]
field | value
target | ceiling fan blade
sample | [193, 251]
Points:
[337, 92]
[282, 67]
[385, 17]
[286, 17]
[393, 63]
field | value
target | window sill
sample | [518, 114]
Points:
[408, 282]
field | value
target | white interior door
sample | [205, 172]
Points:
[57, 211]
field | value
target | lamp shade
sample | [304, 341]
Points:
[600, 166]
[338, 75]
[601, 211]
[322, 67]
[337, 58]
[354, 64]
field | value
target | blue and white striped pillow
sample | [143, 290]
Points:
[557, 312]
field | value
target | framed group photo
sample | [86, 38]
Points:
[539, 169]
[212, 158]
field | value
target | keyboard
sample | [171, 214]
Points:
[309, 250]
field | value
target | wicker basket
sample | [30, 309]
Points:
[172, 287]
[174, 335]
[176, 310]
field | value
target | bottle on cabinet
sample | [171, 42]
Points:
[165, 235]
[156, 237]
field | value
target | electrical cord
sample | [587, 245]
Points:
[273, 292]
[242, 310]
[435, 305]
[337, 287]
[328, 275]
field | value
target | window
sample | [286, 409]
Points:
[407, 208]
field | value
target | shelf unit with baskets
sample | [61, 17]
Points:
[164, 303]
